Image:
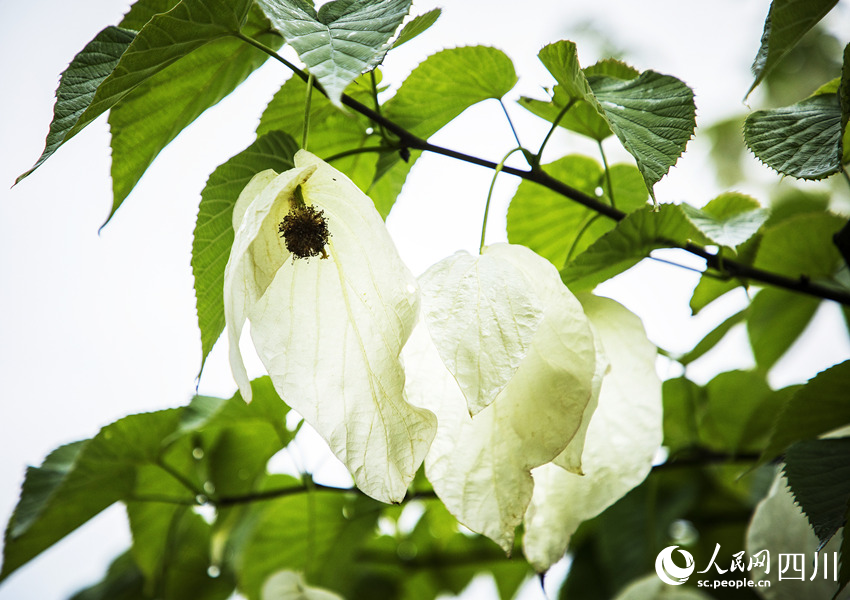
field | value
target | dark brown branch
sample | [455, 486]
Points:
[728, 267]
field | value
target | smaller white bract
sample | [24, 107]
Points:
[329, 330]
[480, 466]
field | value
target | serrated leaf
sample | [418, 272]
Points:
[628, 243]
[148, 118]
[557, 228]
[165, 39]
[653, 115]
[776, 319]
[728, 220]
[482, 315]
[123, 581]
[77, 482]
[815, 409]
[818, 473]
[447, 83]
[801, 246]
[802, 140]
[78, 85]
[341, 41]
[213, 236]
[787, 21]
[778, 526]
[347, 316]
[143, 11]
[844, 100]
[480, 466]
[417, 25]
[624, 435]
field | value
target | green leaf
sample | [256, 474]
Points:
[844, 100]
[123, 581]
[728, 220]
[555, 227]
[739, 410]
[143, 11]
[815, 409]
[304, 532]
[583, 117]
[447, 83]
[78, 481]
[78, 85]
[710, 289]
[238, 439]
[171, 545]
[712, 338]
[165, 39]
[818, 473]
[802, 140]
[842, 242]
[683, 401]
[416, 26]
[776, 319]
[628, 243]
[786, 23]
[341, 41]
[801, 246]
[148, 118]
[653, 115]
[213, 235]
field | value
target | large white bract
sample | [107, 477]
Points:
[329, 331]
[624, 435]
[480, 466]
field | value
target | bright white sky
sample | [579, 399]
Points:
[98, 326]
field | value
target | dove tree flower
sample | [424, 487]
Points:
[331, 305]
[480, 466]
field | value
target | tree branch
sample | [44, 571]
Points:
[728, 267]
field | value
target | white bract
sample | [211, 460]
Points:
[482, 314]
[329, 330]
[480, 466]
[624, 434]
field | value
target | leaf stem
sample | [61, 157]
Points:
[607, 173]
[377, 104]
[496, 172]
[307, 102]
[581, 232]
[730, 267]
[554, 126]
[510, 122]
[184, 481]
